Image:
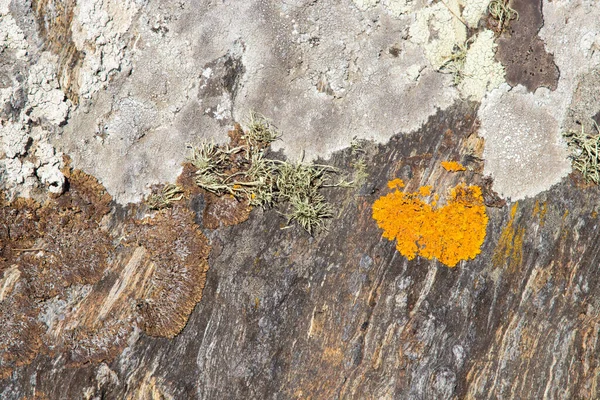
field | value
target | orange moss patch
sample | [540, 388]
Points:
[450, 233]
[453, 166]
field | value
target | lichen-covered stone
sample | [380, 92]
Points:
[481, 72]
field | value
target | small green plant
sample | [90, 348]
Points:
[360, 171]
[246, 173]
[309, 212]
[356, 146]
[585, 153]
[260, 130]
[165, 198]
[360, 165]
[455, 63]
[503, 13]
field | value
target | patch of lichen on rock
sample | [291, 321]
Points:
[509, 251]
[21, 331]
[178, 253]
[450, 233]
[453, 166]
[85, 193]
[76, 280]
[218, 210]
[45, 249]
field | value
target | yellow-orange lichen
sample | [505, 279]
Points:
[453, 166]
[509, 251]
[540, 211]
[450, 233]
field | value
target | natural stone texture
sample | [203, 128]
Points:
[524, 152]
[284, 314]
[543, 114]
[523, 53]
[280, 306]
[311, 70]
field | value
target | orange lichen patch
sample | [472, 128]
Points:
[396, 184]
[453, 166]
[425, 191]
[450, 233]
[509, 251]
[178, 253]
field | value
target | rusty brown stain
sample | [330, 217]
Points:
[149, 273]
[178, 252]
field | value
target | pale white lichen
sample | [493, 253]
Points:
[46, 100]
[11, 36]
[524, 152]
[399, 7]
[28, 159]
[17, 176]
[414, 72]
[14, 139]
[365, 4]
[98, 30]
[438, 30]
[473, 10]
[48, 167]
[481, 72]
[4, 5]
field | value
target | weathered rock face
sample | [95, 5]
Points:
[343, 315]
[522, 51]
[207, 299]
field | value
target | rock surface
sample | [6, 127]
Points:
[104, 299]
